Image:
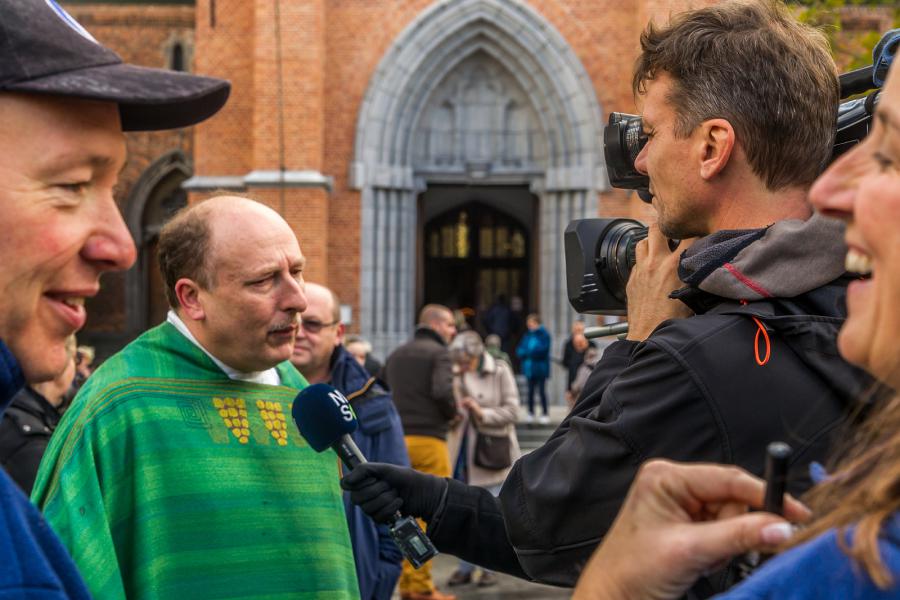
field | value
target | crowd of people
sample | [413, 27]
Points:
[175, 471]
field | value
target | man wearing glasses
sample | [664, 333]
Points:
[320, 357]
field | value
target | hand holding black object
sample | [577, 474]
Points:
[381, 490]
[653, 278]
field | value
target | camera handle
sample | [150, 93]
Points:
[606, 330]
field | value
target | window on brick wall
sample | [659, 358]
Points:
[176, 57]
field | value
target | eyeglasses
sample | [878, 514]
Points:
[315, 326]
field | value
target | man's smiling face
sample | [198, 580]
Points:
[59, 163]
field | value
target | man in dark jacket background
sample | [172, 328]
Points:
[320, 356]
[30, 420]
[420, 376]
[573, 353]
[732, 338]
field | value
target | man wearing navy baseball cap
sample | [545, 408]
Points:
[64, 102]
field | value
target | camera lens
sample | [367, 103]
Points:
[615, 254]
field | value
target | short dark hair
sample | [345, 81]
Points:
[183, 250]
[752, 63]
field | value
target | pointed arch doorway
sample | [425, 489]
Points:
[476, 246]
[476, 94]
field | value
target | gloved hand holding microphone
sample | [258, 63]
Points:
[325, 419]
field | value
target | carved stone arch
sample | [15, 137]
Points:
[152, 201]
[459, 51]
[504, 89]
[444, 35]
[566, 180]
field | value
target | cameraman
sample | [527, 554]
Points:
[732, 337]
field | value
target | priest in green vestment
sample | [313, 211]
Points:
[177, 473]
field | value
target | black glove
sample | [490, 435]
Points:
[381, 490]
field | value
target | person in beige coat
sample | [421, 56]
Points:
[488, 403]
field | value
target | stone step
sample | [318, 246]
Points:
[533, 435]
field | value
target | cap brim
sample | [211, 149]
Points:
[149, 99]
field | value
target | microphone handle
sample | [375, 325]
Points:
[405, 531]
[348, 451]
[778, 456]
[605, 330]
[352, 457]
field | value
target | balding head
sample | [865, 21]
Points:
[438, 318]
[190, 243]
[324, 299]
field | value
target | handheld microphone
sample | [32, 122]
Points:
[325, 420]
[778, 456]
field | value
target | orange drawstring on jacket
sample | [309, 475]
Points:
[761, 329]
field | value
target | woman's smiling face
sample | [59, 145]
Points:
[863, 188]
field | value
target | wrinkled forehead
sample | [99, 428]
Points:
[242, 245]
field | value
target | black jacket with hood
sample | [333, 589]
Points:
[692, 391]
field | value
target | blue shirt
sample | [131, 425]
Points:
[33, 563]
[820, 569]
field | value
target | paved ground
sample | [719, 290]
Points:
[508, 587]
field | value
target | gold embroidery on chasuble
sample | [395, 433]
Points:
[233, 412]
[275, 420]
[245, 426]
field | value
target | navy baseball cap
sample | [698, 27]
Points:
[43, 50]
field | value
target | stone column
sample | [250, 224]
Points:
[557, 208]
[388, 261]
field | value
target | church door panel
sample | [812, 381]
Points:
[475, 254]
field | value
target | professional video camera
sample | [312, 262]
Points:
[600, 252]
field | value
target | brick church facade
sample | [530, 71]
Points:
[423, 151]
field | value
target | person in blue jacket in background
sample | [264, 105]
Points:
[321, 357]
[534, 354]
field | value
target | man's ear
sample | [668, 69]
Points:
[718, 139]
[188, 293]
[339, 338]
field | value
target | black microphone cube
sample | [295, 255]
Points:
[412, 541]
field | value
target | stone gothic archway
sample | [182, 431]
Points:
[155, 197]
[411, 132]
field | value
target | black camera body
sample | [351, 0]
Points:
[599, 258]
[600, 252]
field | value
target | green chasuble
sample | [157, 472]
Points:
[167, 480]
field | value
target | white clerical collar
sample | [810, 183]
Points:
[267, 377]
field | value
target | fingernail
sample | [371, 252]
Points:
[776, 533]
